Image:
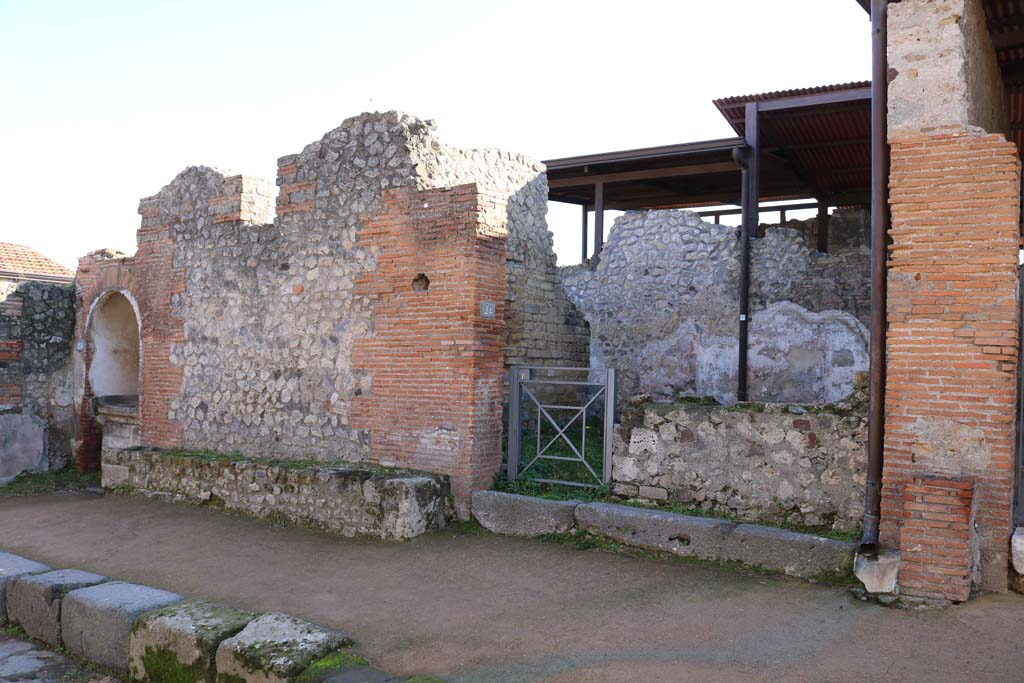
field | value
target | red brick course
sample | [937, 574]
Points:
[952, 341]
[937, 544]
[435, 363]
[10, 350]
[151, 280]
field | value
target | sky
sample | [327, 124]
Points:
[104, 102]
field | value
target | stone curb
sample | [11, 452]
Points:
[707, 538]
[154, 635]
[514, 515]
[795, 554]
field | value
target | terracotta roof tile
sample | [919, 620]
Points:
[20, 259]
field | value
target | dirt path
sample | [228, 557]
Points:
[477, 607]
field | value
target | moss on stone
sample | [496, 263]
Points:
[423, 679]
[746, 407]
[162, 666]
[323, 667]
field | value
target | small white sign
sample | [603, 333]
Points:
[488, 309]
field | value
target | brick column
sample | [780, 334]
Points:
[953, 338]
[436, 363]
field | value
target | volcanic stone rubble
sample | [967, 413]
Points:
[154, 635]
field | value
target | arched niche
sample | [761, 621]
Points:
[114, 341]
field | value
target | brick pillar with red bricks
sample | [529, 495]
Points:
[436, 359]
[938, 546]
[952, 353]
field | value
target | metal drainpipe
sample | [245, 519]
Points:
[879, 255]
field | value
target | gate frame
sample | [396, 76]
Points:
[608, 387]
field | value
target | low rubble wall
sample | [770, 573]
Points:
[353, 500]
[778, 464]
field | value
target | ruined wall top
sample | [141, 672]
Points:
[943, 69]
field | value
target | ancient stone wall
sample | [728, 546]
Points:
[765, 463]
[259, 319]
[352, 501]
[36, 410]
[542, 326]
[849, 230]
[662, 306]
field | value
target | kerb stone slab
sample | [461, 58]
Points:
[11, 567]
[34, 600]
[275, 648]
[96, 622]
[794, 554]
[681, 535]
[507, 513]
[181, 641]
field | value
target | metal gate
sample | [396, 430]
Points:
[550, 411]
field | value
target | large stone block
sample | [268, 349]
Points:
[96, 621]
[507, 513]
[790, 552]
[657, 530]
[112, 476]
[34, 600]
[11, 567]
[180, 642]
[22, 445]
[275, 648]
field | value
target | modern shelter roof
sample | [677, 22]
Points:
[815, 143]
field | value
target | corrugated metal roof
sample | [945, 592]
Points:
[817, 149]
[730, 102]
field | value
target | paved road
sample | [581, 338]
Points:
[476, 607]
[25, 662]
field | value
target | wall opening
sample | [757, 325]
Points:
[114, 340]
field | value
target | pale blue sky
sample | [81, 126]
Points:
[104, 102]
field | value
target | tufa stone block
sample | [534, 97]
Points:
[34, 600]
[514, 515]
[11, 567]
[96, 622]
[180, 642]
[275, 648]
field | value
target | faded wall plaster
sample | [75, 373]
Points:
[662, 305]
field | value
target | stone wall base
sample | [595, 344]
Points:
[352, 500]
